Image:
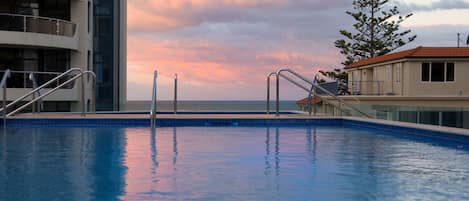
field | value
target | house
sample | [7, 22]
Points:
[423, 85]
[419, 72]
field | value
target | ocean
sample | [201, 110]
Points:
[211, 105]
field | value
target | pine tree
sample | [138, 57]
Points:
[376, 31]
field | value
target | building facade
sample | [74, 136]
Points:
[40, 39]
[421, 85]
[419, 72]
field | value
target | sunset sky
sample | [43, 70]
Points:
[223, 49]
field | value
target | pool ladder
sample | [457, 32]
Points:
[75, 72]
[312, 92]
[154, 98]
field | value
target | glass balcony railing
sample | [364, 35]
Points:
[26, 79]
[36, 24]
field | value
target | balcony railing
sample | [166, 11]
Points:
[23, 79]
[36, 24]
[375, 88]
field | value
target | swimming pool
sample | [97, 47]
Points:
[329, 160]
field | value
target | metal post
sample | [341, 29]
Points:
[175, 93]
[315, 105]
[83, 104]
[4, 104]
[277, 106]
[153, 100]
[34, 105]
[267, 109]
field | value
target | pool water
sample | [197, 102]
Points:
[228, 163]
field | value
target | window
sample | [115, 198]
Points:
[437, 72]
[426, 72]
[450, 72]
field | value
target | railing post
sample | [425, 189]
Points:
[4, 104]
[267, 109]
[175, 107]
[153, 100]
[24, 24]
[315, 105]
[57, 27]
[83, 104]
[277, 106]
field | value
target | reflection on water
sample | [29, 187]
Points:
[62, 164]
[235, 163]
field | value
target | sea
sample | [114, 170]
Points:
[185, 105]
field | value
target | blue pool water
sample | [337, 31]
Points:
[229, 163]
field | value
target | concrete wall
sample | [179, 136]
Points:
[38, 40]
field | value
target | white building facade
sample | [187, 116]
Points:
[40, 39]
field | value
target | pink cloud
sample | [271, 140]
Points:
[218, 50]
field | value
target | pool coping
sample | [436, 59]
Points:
[423, 127]
[142, 120]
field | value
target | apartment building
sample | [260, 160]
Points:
[40, 39]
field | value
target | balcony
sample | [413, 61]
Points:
[368, 88]
[34, 31]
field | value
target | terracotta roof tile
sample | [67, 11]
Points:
[419, 52]
[303, 101]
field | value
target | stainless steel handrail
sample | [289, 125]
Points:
[175, 103]
[3, 85]
[80, 75]
[153, 99]
[42, 86]
[93, 90]
[40, 105]
[268, 91]
[312, 93]
[279, 74]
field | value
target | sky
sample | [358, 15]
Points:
[223, 49]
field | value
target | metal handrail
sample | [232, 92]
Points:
[93, 89]
[279, 74]
[268, 91]
[153, 99]
[3, 85]
[33, 80]
[312, 92]
[41, 87]
[6, 75]
[175, 102]
[80, 75]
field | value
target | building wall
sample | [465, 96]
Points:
[80, 58]
[460, 86]
[403, 78]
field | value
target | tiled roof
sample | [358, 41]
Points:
[419, 52]
[303, 101]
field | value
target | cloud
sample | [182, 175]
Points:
[223, 49]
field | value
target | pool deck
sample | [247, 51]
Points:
[457, 131]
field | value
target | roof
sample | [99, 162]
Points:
[314, 100]
[419, 52]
